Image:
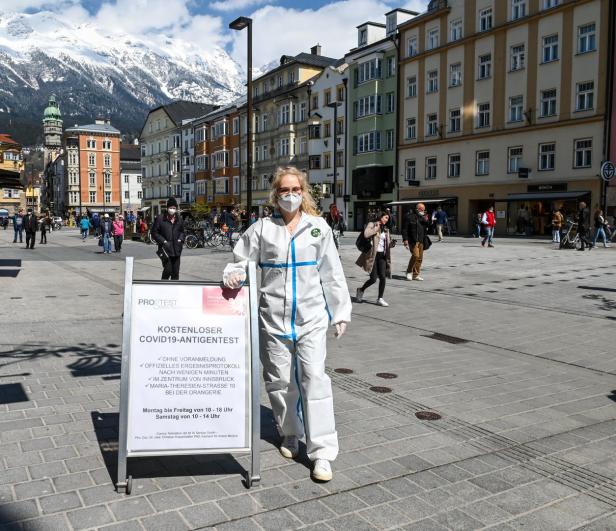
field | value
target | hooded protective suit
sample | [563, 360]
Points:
[303, 288]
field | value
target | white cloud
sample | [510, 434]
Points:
[278, 30]
[19, 6]
[235, 5]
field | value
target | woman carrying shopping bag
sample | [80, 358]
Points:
[303, 290]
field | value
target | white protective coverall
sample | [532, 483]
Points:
[303, 288]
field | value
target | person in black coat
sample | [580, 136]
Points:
[414, 232]
[584, 226]
[30, 225]
[168, 233]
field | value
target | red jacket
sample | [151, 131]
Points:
[490, 219]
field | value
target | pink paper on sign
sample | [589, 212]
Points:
[221, 301]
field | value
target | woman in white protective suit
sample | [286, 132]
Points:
[303, 290]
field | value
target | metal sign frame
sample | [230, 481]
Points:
[253, 476]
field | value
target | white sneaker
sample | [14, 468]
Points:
[322, 470]
[418, 278]
[409, 276]
[289, 447]
[359, 295]
[381, 302]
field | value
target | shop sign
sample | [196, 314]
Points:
[500, 214]
[608, 171]
[429, 193]
[553, 187]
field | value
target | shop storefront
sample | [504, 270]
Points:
[448, 204]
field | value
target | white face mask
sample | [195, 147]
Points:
[290, 202]
[171, 211]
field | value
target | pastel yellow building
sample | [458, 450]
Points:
[11, 167]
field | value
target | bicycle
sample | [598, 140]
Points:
[571, 238]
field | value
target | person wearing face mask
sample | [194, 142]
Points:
[30, 224]
[106, 228]
[302, 290]
[414, 235]
[168, 233]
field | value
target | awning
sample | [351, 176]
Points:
[542, 195]
[420, 200]
[144, 209]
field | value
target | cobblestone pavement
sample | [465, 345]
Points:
[513, 346]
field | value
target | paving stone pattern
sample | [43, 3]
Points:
[513, 347]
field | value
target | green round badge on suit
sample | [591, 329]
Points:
[316, 232]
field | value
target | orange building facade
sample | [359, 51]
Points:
[92, 162]
[218, 158]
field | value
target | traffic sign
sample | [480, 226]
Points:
[608, 170]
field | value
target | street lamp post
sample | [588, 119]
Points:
[239, 24]
[334, 105]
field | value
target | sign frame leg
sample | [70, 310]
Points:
[254, 476]
[123, 481]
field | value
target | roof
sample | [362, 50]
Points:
[130, 152]
[303, 58]
[407, 11]
[379, 24]
[7, 139]
[182, 110]
[93, 128]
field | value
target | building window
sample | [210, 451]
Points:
[315, 102]
[390, 66]
[432, 128]
[327, 129]
[107, 160]
[327, 96]
[340, 94]
[126, 194]
[106, 144]
[139, 179]
[483, 115]
[587, 38]
[367, 106]
[91, 159]
[340, 126]
[548, 4]
[264, 152]
[455, 75]
[107, 197]
[126, 179]
[368, 70]
[583, 153]
[327, 160]
[410, 171]
[547, 156]
[91, 144]
[302, 111]
[139, 194]
[455, 30]
[483, 163]
[391, 102]
[548, 103]
[514, 159]
[236, 126]
[455, 120]
[485, 19]
[432, 38]
[453, 168]
[516, 111]
[367, 142]
[314, 162]
[411, 128]
[411, 87]
[518, 9]
[550, 48]
[518, 57]
[432, 81]
[485, 66]
[314, 131]
[363, 37]
[236, 157]
[92, 178]
[585, 96]
[284, 115]
[72, 159]
[92, 197]
[291, 77]
[339, 159]
[411, 46]
[430, 168]
[389, 140]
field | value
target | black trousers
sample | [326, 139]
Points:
[30, 239]
[171, 268]
[379, 270]
[117, 243]
[43, 236]
[584, 237]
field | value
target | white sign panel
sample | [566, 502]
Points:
[189, 369]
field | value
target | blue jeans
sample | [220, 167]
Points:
[106, 243]
[555, 235]
[488, 237]
[600, 232]
[84, 233]
[20, 231]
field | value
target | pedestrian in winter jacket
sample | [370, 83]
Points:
[18, 226]
[30, 225]
[488, 221]
[118, 234]
[414, 236]
[168, 232]
[376, 261]
[106, 230]
[84, 226]
[584, 227]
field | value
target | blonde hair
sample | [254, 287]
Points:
[308, 205]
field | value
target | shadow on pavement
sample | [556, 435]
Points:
[106, 427]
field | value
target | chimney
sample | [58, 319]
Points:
[316, 50]
[99, 120]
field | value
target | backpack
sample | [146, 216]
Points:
[363, 244]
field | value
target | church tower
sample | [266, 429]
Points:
[52, 129]
[53, 193]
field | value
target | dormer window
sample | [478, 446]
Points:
[391, 23]
[363, 36]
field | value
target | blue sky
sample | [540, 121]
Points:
[279, 27]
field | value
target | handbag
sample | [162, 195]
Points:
[362, 243]
[427, 242]
[100, 241]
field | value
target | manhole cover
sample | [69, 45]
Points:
[427, 415]
[378, 389]
[386, 375]
[342, 370]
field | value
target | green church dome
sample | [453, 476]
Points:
[52, 111]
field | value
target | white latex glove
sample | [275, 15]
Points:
[340, 329]
[235, 280]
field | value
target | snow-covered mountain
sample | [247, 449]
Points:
[97, 72]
